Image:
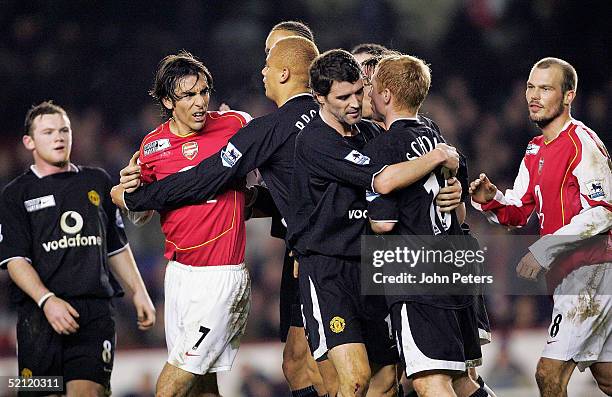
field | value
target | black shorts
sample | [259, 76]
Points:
[336, 313]
[432, 338]
[484, 328]
[86, 355]
[290, 311]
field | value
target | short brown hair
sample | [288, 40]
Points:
[407, 77]
[570, 77]
[46, 107]
[296, 53]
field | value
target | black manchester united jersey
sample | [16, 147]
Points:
[414, 208]
[331, 175]
[66, 226]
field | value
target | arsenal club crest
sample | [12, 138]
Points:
[190, 150]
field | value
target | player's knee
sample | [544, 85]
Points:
[360, 380]
[605, 384]
[550, 376]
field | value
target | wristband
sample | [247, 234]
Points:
[43, 299]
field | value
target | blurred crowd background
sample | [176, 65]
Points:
[97, 59]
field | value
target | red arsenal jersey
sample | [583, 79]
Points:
[211, 233]
[567, 182]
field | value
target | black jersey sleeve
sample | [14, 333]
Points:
[383, 208]
[340, 162]
[249, 148]
[116, 239]
[15, 233]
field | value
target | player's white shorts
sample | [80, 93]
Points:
[581, 325]
[205, 313]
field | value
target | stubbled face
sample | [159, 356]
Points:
[51, 139]
[377, 102]
[189, 110]
[544, 95]
[343, 102]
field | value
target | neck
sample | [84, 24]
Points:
[290, 92]
[392, 115]
[341, 128]
[554, 128]
[44, 168]
[175, 129]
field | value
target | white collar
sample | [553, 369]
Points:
[72, 168]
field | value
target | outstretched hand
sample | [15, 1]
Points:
[482, 190]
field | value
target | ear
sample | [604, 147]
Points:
[320, 98]
[284, 75]
[168, 104]
[28, 142]
[386, 94]
[569, 97]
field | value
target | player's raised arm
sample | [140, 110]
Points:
[512, 208]
[401, 175]
[250, 147]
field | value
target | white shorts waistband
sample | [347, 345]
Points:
[218, 268]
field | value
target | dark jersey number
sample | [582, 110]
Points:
[554, 329]
[204, 332]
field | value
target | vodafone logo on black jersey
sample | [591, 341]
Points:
[357, 214]
[71, 222]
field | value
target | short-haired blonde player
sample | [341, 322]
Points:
[437, 335]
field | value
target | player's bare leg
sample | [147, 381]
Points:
[351, 363]
[383, 382]
[433, 384]
[175, 382]
[602, 372]
[329, 375]
[464, 385]
[84, 388]
[205, 386]
[553, 376]
[299, 368]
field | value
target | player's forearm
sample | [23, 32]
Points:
[505, 210]
[26, 277]
[401, 175]
[124, 268]
[183, 188]
[585, 225]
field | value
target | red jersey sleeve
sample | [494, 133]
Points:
[515, 206]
